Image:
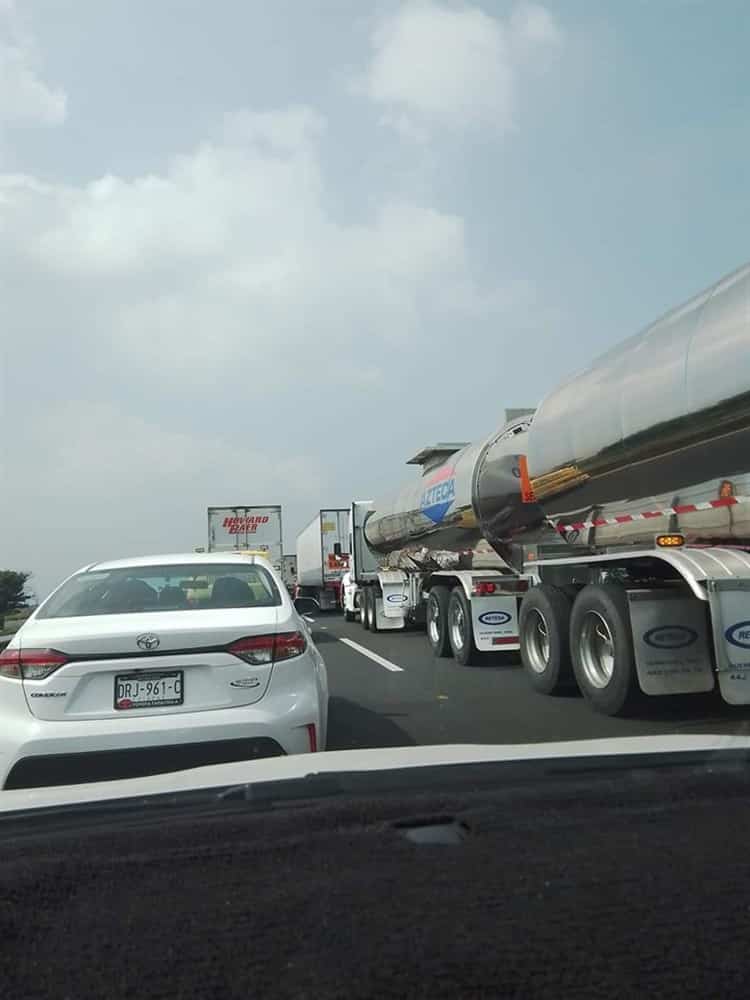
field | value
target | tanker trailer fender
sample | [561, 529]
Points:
[674, 629]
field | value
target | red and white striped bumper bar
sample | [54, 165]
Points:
[645, 515]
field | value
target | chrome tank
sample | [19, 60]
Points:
[653, 437]
[435, 511]
[458, 503]
[660, 422]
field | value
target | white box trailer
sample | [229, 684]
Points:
[242, 528]
[323, 557]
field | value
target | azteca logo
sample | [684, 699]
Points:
[439, 494]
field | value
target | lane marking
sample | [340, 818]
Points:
[373, 656]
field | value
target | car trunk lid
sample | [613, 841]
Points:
[154, 663]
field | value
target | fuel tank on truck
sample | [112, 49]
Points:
[655, 435]
[462, 488]
[436, 510]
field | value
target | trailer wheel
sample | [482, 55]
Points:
[544, 631]
[372, 611]
[437, 621]
[460, 630]
[364, 602]
[601, 644]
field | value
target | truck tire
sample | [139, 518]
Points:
[601, 646]
[544, 633]
[348, 615]
[364, 601]
[460, 629]
[372, 611]
[437, 621]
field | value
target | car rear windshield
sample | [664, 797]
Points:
[163, 588]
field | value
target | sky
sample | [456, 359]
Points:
[259, 253]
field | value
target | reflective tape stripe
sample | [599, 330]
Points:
[688, 508]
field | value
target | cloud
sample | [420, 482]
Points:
[230, 252]
[113, 483]
[531, 24]
[454, 66]
[24, 96]
[210, 333]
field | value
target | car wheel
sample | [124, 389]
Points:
[544, 632]
[601, 645]
[437, 621]
[460, 629]
[372, 612]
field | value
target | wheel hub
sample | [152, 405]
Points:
[457, 626]
[536, 641]
[433, 621]
[597, 650]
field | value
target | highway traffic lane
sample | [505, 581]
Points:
[430, 700]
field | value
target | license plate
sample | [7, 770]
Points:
[151, 690]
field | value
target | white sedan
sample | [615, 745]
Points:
[156, 664]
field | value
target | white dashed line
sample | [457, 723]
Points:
[373, 656]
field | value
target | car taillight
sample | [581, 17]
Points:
[258, 649]
[30, 664]
[289, 644]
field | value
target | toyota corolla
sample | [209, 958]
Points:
[156, 664]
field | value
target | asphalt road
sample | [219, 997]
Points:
[430, 700]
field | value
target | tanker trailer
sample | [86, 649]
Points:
[420, 557]
[622, 506]
[635, 479]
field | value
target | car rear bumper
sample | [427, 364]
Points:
[46, 770]
[36, 752]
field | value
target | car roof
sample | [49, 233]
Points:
[176, 559]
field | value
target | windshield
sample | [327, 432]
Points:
[373, 377]
[162, 588]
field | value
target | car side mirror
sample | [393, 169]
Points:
[306, 605]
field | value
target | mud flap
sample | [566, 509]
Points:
[671, 642]
[387, 622]
[395, 596]
[327, 600]
[730, 615]
[494, 619]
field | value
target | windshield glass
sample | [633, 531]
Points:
[162, 588]
[387, 365]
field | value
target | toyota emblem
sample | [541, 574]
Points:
[148, 641]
